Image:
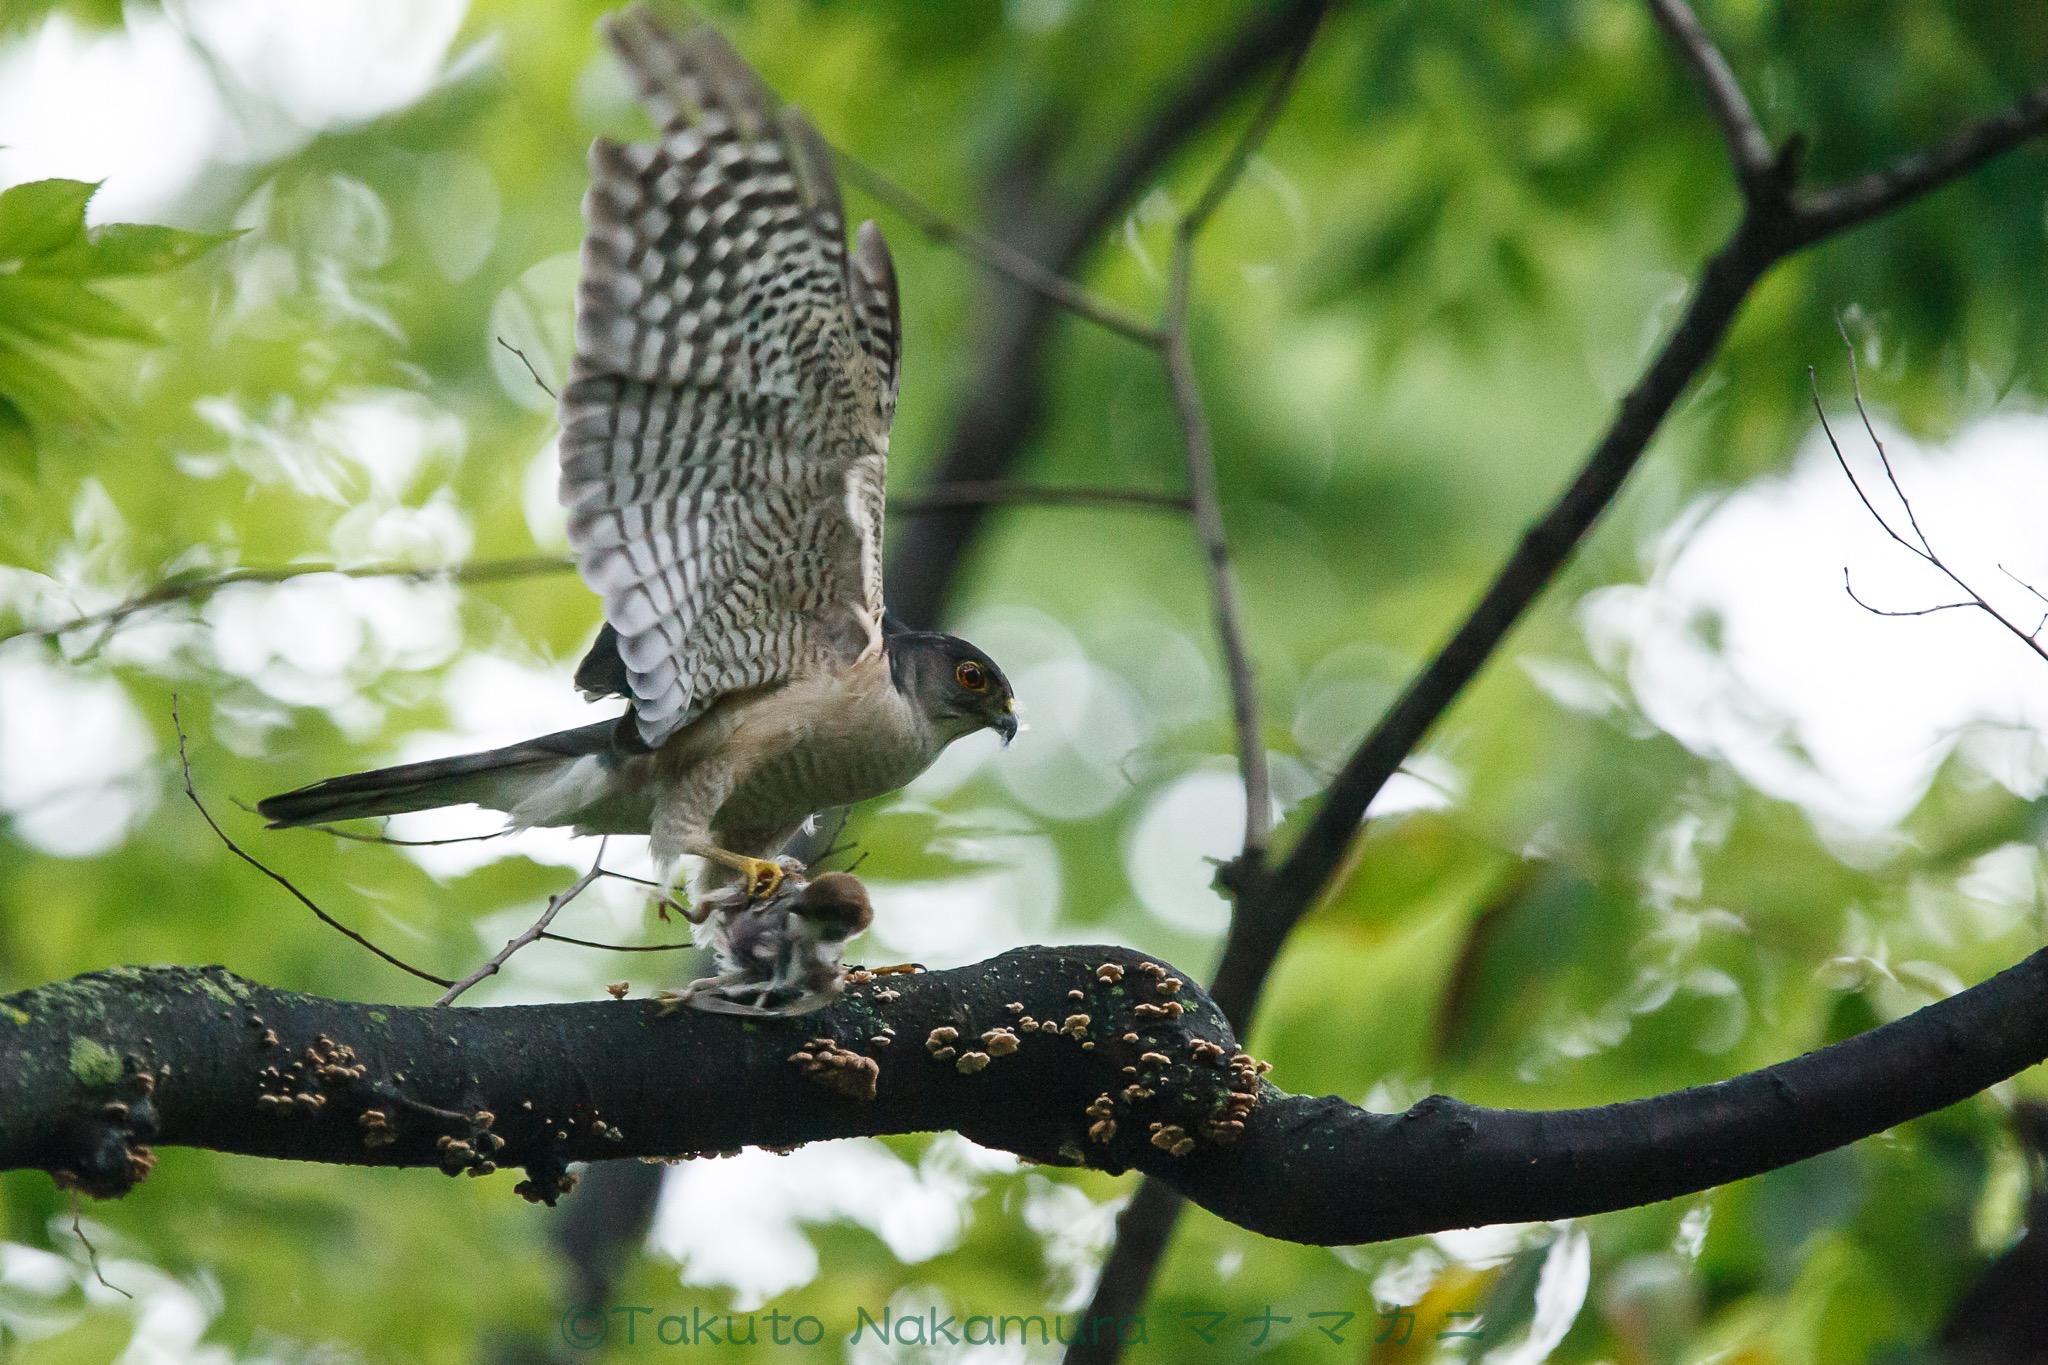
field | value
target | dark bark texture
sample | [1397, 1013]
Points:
[1070, 1055]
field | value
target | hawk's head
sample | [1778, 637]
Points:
[954, 686]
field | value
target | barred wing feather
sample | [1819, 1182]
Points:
[725, 426]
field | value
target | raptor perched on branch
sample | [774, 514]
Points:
[725, 434]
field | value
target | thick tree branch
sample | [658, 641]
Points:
[94, 1069]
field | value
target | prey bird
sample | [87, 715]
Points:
[725, 432]
[780, 955]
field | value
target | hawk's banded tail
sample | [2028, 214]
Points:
[536, 773]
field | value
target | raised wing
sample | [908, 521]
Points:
[725, 426]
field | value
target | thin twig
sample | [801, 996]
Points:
[386, 839]
[1883, 457]
[1850, 588]
[1923, 551]
[192, 794]
[994, 494]
[358, 837]
[199, 589]
[998, 256]
[529, 366]
[1199, 451]
[1146, 1226]
[554, 937]
[1226, 176]
[92, 1253]
[2023, 583]
[630, 879]
[1748, 147]
[1223, 596]
[1919, 551]
[532, 931]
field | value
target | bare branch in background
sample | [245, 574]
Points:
[200, 588]
[92, 1253]
[529, 366]
[1826, 212]
[1145, 1227]
[997, 255]
[1200, 454]
[1004, 401]
[1756, 165]
[1223, 595]
[355, 837]
[192, 794]
[533, 932]
[947, 496]
[1918, 545]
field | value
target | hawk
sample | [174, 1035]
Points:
[725, 432]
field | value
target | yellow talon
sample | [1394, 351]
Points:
[764, 878]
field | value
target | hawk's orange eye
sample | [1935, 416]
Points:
[972, 676]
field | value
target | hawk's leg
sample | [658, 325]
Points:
[762, 876]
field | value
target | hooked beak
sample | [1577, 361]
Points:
[1005, 721]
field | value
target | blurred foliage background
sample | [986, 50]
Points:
[1412, 318]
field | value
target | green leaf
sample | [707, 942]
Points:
[17, 440]
[47, 255]
[61, 312]
[46, 398]
[131, 249]
[41, 217]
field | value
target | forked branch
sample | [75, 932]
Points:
[1917, 544]
[1771, 228]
